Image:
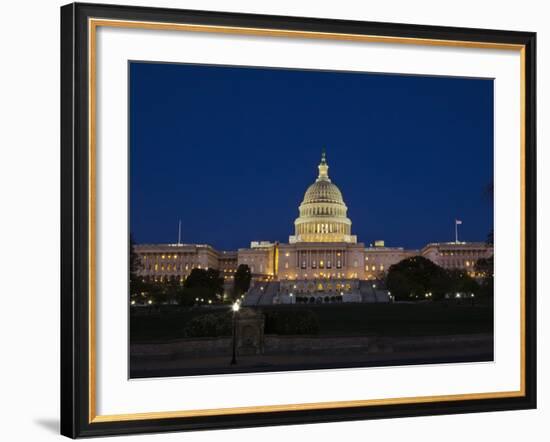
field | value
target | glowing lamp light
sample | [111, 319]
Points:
[150, 301]
[236, 306]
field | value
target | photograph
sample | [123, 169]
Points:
[296, 219]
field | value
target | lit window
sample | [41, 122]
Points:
[286, 265]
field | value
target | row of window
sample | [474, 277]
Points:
[171, 267]
[158, 256]
[374, 269]
[322, 228]
[319, 287]
[332, 211]
[454, 263]
[463, 252]
[322, 275]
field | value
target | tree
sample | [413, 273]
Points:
[204, 284]
[412, 278]
[172, 287]
[461, 282]
[215, 281]
[186, 297]
[137, 285]
[243, 276]
[485, 268]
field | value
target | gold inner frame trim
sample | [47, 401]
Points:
[93, 24]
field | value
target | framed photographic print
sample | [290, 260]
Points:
[274, 220]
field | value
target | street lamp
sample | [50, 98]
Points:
[235, 307]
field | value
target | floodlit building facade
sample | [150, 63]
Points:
[461, 255]
[322, 261]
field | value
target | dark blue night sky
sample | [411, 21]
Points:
[231, 151]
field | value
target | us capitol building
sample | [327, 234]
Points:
[322, 261]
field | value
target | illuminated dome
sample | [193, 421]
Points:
[323, 191]
[323, 213]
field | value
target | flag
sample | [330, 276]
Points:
[457, 221]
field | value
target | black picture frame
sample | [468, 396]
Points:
[75, 220]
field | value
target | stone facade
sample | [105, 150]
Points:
[162, 262]
[457, 255]
[320, 260]
[379, 259]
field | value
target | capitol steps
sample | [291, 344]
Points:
[261, 294]
[370, 294]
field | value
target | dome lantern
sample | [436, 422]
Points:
[323, 168]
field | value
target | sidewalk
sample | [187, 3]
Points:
[150, 366]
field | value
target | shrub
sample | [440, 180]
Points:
[209, 325]
[291, 322]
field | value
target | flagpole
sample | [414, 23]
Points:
[179, 233]
[456, 232]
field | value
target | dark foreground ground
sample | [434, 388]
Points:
[337, 319]
[356, 335]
